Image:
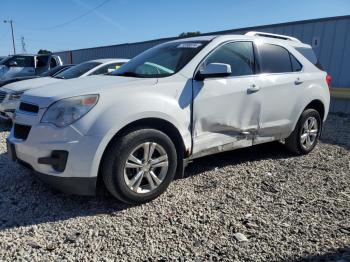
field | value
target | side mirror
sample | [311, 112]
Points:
[13, 63]
[214, 70]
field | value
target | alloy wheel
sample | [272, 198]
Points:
[146, 167]
[309, 133]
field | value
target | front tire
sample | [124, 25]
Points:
[305, 136]
[139, 166]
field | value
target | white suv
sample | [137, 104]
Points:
[177, 101]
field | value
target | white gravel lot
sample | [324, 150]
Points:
[256, 204]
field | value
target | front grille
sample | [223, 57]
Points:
[21, 131]
[2, 95]
[28, 107]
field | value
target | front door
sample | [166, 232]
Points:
[226, 110]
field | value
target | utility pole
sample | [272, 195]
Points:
[24, 50]
[13, 36]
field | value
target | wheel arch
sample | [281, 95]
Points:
[318, 106]
[157, 123]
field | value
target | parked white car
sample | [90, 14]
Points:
[177, 101]
[11, 93]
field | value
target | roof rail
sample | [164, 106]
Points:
[282, 37]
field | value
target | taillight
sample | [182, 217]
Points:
[329, 80]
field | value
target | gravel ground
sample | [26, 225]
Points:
[257, 204]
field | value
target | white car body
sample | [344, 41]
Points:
[224, 113]
[8, 105]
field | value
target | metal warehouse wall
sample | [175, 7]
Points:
[329, 37]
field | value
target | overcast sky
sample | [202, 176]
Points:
[73, 24]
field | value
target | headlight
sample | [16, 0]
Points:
[66, 111]
[16, 95]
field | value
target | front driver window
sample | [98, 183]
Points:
[239, 55]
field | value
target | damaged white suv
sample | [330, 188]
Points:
[177, 101]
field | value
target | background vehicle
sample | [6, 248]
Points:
[11, 93]
[27, 65]
[179, 100]
[51, 72]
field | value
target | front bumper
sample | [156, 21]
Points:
[62, 157]
[84, 186]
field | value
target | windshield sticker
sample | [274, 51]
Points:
[189, 45]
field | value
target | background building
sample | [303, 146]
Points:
[329, 37]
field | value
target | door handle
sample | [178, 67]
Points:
[253, 89]
[298, 81]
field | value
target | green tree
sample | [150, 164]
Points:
[44, 52]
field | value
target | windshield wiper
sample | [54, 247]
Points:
[59, 77]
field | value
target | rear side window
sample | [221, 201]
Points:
[239, 55]
[274, 59]
[308, 53]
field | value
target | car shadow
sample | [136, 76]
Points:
[24, 200]
[273, 150]
[337, 124]
[341, 255]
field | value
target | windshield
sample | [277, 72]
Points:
[55, 70]
[78, 70]
[161, 61]
[18, 61]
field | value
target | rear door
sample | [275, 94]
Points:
[225, 113]
[281, 83]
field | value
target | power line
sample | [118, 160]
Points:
[76, 18]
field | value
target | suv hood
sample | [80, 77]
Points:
[46, 95]
[31, 83]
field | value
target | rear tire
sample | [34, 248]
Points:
[305, 136]
[139, 166]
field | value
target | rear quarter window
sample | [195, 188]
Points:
[310, 55]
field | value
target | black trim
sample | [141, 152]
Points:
[58, 160]
[11, 150]
[21, 131]
[85, 186]
[28, 107]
